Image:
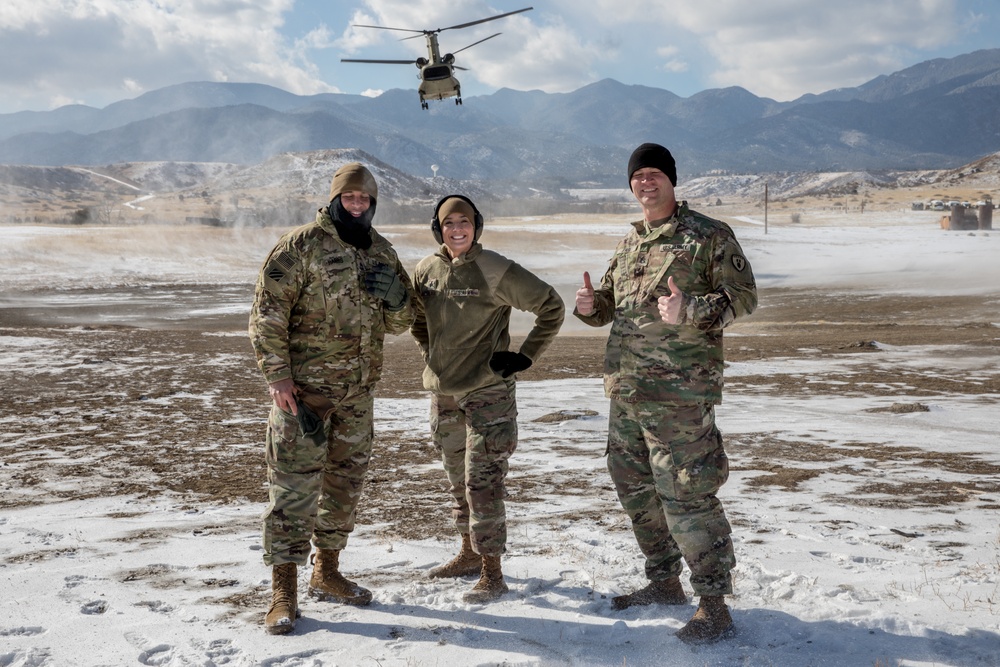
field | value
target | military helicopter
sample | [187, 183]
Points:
[437, 74]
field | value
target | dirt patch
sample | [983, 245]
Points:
[777, 462]
[181, 411]
[901, 408]
[565, 415]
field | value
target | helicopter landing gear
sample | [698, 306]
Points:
[423, 104]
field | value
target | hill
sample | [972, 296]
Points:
[935, 115]
[286, 188]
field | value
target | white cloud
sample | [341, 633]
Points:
[551, 58]
[97, 51]
[671, 62]
[784, 48]
[319, 37]
[676, 66]
[62, 100]
[72, 48]
[785, 53]
[355, 39]
[132, 86]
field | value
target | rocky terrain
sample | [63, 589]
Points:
[288, 187]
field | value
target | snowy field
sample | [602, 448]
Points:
[823, 578]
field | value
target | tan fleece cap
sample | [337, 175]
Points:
[456, 205]
[353, 176]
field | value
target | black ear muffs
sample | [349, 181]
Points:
[436, 224]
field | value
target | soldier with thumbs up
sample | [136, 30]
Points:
[676, 280]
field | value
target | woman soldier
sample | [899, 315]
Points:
[461, 321]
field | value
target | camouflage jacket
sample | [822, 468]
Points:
[312, 319]
[646, 359]
[462, 314]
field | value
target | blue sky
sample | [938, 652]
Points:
[95, 52]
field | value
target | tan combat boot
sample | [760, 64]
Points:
[490, 585]
[710, 622]
[665, 591]
[466, 563]
[329, 585]
[284, 609]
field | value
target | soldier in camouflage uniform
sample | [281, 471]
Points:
[325, 298]
[675, 281]
[464, 299]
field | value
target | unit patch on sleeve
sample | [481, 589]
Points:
[739, 263]
[280, 266]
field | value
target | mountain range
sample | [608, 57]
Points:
[938, 114]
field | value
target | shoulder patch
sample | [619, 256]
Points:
[279, 267]
[739, 262]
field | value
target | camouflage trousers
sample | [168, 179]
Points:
[314, 487]
[667, 464]
[475, 434]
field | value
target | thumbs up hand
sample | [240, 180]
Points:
[585, 296]
[670, 306]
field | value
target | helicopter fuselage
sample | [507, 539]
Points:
[437, 75]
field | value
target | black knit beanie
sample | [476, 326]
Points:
[655, 156]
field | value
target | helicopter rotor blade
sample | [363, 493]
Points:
[474, 43]
[384, 62]
[492, 18]
[382, 27]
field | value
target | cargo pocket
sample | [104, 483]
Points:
[501, 438]
[284, 451]
[699, 462]
[495, 420]
[701, 475]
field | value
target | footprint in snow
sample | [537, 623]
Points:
[22, 631]
[94, 607]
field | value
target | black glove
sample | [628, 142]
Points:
[508, 363]
[310, 423]
[383, 281]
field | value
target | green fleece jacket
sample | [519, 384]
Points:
[462, 316]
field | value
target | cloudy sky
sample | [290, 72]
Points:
[95, 52]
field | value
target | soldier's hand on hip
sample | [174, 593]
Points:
[585, 296]
[670, 306]
[508, 363]
[283, 394]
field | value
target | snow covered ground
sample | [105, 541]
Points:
[822, 579]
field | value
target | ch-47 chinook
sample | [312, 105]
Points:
[437, 73]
